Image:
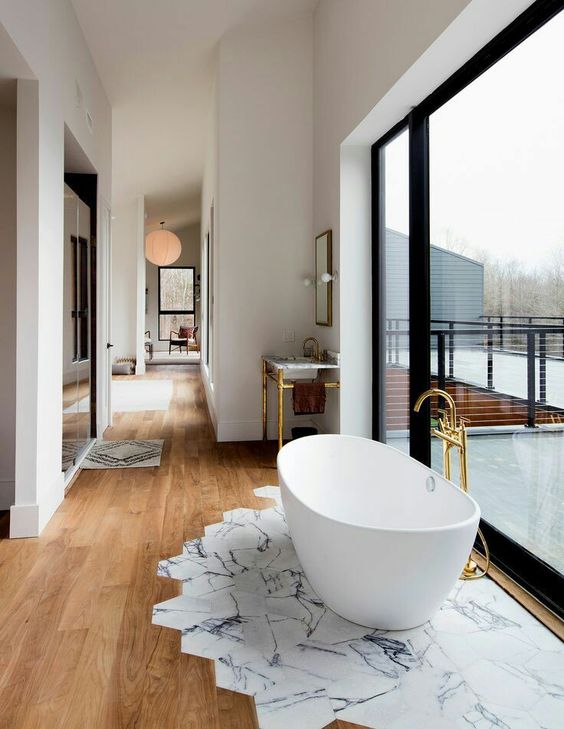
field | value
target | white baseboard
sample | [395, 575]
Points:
[29, 520]
[7, 493]
[245, 430]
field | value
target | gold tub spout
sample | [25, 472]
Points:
[452, 432]
[451, 418]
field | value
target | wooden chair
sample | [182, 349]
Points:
[184, 337]
[177, 342]
[193, 341]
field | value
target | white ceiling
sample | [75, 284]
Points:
[155, 60]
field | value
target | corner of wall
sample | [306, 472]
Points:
[29, 520]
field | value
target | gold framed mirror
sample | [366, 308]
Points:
[323, 290]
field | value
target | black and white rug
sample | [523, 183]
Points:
[124, 454]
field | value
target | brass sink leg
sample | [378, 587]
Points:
[280, 408]
[264, 399]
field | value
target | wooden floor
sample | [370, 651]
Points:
[77, 647]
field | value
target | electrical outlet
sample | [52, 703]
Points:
[288, 335]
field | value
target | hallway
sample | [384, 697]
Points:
[78, 647]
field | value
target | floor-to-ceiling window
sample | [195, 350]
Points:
[485, 234]
[177, 307]
[392, 163]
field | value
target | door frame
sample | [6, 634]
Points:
[525, 568]
[104, 333]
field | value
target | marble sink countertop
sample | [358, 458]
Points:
[291, 362]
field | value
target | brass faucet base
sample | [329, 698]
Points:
[470, 569]
[452, 432]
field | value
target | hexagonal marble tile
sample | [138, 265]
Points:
[481, 662]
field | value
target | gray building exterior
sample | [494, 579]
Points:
[457, 283]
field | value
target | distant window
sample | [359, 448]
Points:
[176, 299]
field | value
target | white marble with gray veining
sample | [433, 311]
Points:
[481, 662]
[297, 363]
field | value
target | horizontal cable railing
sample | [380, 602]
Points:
[501, 373]
[555, 341]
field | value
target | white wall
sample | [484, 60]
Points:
[190, 256]
[124, 279]
[263, 210]
[210, 200]
[47, 35]
[8, 269]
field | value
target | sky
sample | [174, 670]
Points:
[496, 158]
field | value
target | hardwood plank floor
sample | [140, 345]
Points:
[78, 650]
[77, 647]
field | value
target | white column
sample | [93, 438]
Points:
[141, 283]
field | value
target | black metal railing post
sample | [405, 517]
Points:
[441, 360]
[388, 341]
[501, 333]
[542, 368]
[397, 341]
[531, 408]
[490, 357]
[451, 349]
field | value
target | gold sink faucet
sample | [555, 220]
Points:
[452, 432]
[316, 345]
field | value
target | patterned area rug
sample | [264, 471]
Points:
[124, 454]
[481, 662]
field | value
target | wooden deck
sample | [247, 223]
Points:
[480, 406]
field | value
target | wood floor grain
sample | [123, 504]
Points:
[77, 646]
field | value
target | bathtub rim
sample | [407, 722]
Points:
[367, 527]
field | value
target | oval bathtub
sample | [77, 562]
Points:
[380, 542]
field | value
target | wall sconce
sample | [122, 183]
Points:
[325, 278]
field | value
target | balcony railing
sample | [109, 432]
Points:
[503, 372]
[502, 339]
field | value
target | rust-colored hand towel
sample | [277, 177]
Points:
[309, 398]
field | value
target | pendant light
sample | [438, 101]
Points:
[162, 247]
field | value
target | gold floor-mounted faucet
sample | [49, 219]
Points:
[452, 431]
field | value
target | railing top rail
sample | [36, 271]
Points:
[509, 330]
[524, 316]
[506, 328]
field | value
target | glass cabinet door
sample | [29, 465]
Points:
[76, 329]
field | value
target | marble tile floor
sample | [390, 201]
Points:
[482, 662]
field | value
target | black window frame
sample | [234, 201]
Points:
[526, 569]
[80, 298]
[175, 312]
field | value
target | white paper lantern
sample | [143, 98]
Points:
[162, 247]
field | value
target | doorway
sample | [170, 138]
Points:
[78, 391]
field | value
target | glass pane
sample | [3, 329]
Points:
[395, 158]
[70, 395]
[173, 322]
[83, 307]
[176, 289]
[497, 285]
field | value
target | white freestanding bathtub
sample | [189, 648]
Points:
[382, 538]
